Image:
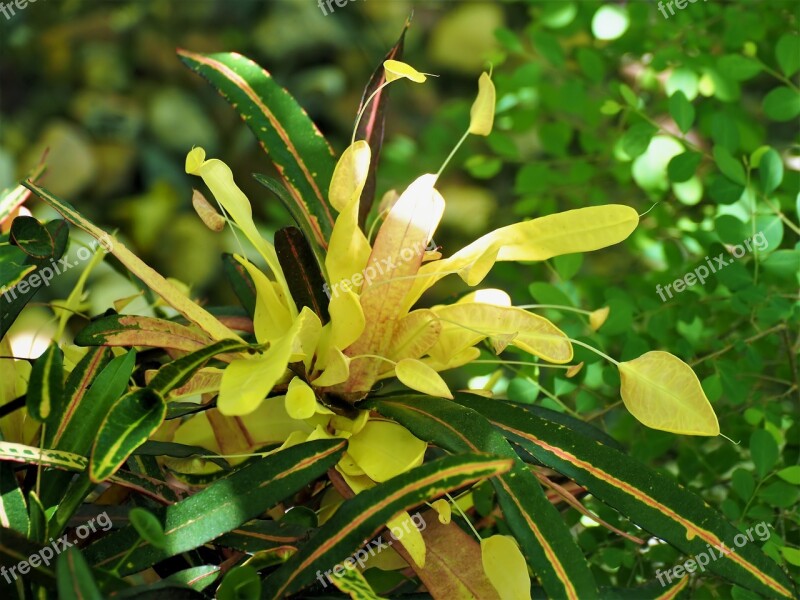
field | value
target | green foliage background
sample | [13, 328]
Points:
[581, 121]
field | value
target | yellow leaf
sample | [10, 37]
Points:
[419, 376]
[481, 115]
[663, 392]
[598, 317]
[336, 371]
[505, 567]
[207, 213]
[574, 370]
[246, 382]
[579, 230]
[414, 335]
[301, 402]
[347, 319]
[399, 70]
[349, 175]
[219, 179]
[464, 325]
[442, 507]
[454, 361]
[384, 449]
[404, 530]
[272, 318]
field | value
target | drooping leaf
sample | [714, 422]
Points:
[653, 501]
[361, 517]
[422, 378]
[481, 115]
[134, 330]
[287, 135]
[662, 391]
[130, 421]
[222, 506]
[168, 291]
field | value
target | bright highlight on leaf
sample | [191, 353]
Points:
[419, 376]
[505, 567]
[481, 115]
[400, 70]
[663, 392]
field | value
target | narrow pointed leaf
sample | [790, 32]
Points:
[156, 282]
[13, 509]
[655, 502]
[287, 135]
[364, 515]
[546, 542]
[302, 271]
[223, 506]
[241, 282]
[129, 423]
[134, 330]
[74, 577]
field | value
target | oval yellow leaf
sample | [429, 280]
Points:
[384, 449]
[481, 115]
[663, 392]
[404, 530]
[442, 508]
[349, 175]
[301, 402]
[505, 567]
[400, 70]
[598, 317]
[419, 376]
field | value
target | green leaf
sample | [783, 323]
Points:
[287, 135]
[790, 474]
[240, 583]
[241, 282]
[764, 451]
[148, 527]
[770, 169]
[364, 515]
[32, 237]
[682, 167]
[75, 581]
[730, 167]
[724, 191]
[12, 501]
[154, 448]
[738, 67]
[628, 95]
[681, 110]
[787, 51]
[782, 104]
[792, 555]
[303, 272]
[222, 506]
[131, 420]
[260, 535]
[546, 542]
[46, 385]
[636, 140]
[197, 578]
[653, 501]
[353, 583]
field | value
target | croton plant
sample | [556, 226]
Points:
[305, 443]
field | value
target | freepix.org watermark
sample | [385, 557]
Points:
[44, 275]
[701, 273]
[48, 553]
[704, 558]
[329, 3]
[679, 4]
[371, 549]
[9, 8]
[385, 265]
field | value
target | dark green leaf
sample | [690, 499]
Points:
[302, 271]
[681, 110]
[46, 385]
[148, 527]
[730, 167]
[32, 237]
[75, 580]
[683, 166]
[764, 451]
[787, 51]
[771, 170]
[637, 139]
[240, 583]
[782, 104]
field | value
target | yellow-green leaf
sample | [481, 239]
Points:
[384, 449]
[505, 567]
[481, 115]
[663, 392]
[272, 318]
[396, 69]
[421, 377]
[405, 530]
[349, 175]
[301, 403]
